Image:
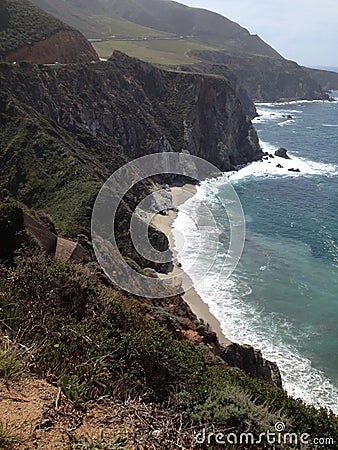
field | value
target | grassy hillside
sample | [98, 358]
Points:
[96, 20]
[163, 52]
[114, 26]
[200, 34]
[164, 16]
[22, 23]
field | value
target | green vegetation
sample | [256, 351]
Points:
[11, 224]
[43, 169]
[98, 341]
[160, 17]
[164, 52]
[10, 436]
[11, 361]
[98, 443]
[114, 26]
[22, 24]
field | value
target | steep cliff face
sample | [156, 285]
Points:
[29, 34]
[65, 46]
[227, 142]
[327, 79]
[265, 79]
[251, 361]
[141, 109]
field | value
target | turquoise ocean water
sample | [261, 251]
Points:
[283, 296]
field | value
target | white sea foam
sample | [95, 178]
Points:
[269, 167]
[267, 114]
[286, 122]
[292, 102]
[244, 322]
[241, 320]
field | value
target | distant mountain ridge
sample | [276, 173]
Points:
[210, 43]
[162, 15]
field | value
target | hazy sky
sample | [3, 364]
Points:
[305, 31]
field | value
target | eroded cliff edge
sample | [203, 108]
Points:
[142, 109]
[64, 46]
[28, 33]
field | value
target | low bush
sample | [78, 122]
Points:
[98, 443]
[96, 341]
[12, 361]
[10, 437]
[11, 224]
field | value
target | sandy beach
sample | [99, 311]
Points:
[164, 223]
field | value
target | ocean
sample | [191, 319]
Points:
[283, 296]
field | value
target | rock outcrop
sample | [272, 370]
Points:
[250, 360]
[282, 153]
[176, 314]
[27, 33]
[265, 79]
[65, 46]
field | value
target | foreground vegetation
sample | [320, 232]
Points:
[94, 340]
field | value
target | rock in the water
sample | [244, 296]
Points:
[282, 153]
[252, 363]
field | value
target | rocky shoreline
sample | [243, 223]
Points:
[218, 346]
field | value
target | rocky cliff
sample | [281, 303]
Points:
[65, 46]
[177, 316]
[29, 34]
[63, 131]
[264, 78]
[134, 107]
[327, 78]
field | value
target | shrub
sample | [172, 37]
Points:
[11, 223]
[98, 443]
[11, 362]
[95, 342]
[9, 436]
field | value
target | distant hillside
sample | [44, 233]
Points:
[92, 17]
[265, 79]
[29, 33]
[167, 33]
[328, 79]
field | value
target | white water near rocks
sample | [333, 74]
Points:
[282, 298]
